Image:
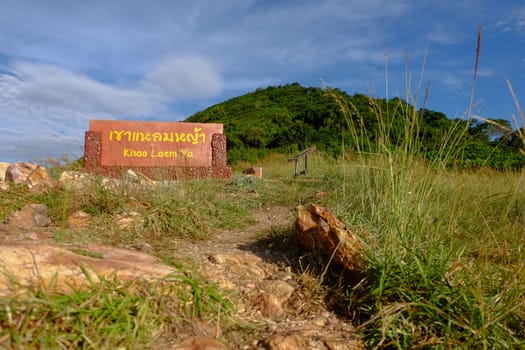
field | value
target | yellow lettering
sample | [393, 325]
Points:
[163, 154]
[134, 153]
[118, 135]
[186, 153]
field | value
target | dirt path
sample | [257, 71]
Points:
[284, 304]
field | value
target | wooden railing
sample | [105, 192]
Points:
[296, 158]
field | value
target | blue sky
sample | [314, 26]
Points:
[65, 62]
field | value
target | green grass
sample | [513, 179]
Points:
[445, 251]
[445, 248]
[110, 314]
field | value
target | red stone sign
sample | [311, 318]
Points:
[136, 143]
[160, 150]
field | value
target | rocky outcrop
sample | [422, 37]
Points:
[319, 230]
[61, 268]
[32, 175]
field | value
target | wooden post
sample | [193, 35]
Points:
[306, 164]
[304, 154]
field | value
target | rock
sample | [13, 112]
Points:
[30, 216]
[313, 337]
[200, 343]
[74, 181]
[287, 342]
[130, 181]
[224, 268]
[319, 230]
[240, 264]
[18, 173]
[10, 233]
[4, 186]
[270, 306]
[79, 219]
[281, 289]
[110, 184]
[274, 295]
[30, 174]
[59, 268]
[131, 220]
[3, 169]
[145, 247]
[138, 181]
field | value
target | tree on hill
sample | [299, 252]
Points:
[292, 117]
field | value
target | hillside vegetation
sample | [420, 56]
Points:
[292, 117]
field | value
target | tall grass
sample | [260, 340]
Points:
[445, 249]
[445, 253]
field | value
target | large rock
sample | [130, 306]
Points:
[60, 268]
[3, 169]
[319, 230]
[30, 216]
[30, 174]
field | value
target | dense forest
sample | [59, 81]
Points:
[290, 118]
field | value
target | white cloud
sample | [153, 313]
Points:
[53, 86]
[444, 34]
[45, 109]
[172, 79]
[513, 21]
[184, 77]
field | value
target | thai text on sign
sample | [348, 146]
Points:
[143, 143]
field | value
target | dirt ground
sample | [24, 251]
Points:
[276, 286]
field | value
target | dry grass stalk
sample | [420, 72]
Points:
[520, 128]
[478, 51]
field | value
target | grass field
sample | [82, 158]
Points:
[445, 249]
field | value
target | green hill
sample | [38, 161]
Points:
[292, 117]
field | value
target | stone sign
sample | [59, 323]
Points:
[156, 148]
